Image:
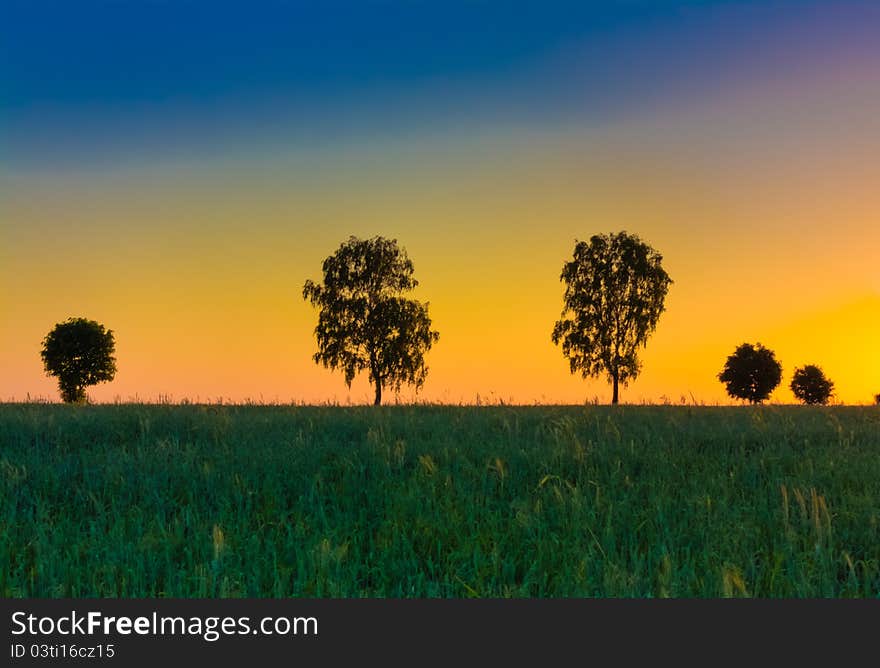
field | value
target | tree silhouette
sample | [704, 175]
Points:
[80, 353]
[811, 386]
[365, 323]
[615, 286]
[751, 373]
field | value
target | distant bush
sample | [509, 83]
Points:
[877, 399]
[751, 373]
[810, 385]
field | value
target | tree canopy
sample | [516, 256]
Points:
[79, 352]
[365, 322]
[751, 373]
[810, 385]
[615, 288]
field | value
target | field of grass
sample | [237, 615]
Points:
[231, 501]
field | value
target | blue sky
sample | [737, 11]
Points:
[82, 80]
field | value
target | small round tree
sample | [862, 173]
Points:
[811, 386]
[751, 373]
[79, 352]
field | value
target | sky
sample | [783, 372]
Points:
[177, 170]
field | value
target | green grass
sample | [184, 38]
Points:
[195, 501]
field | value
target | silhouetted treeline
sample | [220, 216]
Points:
[614, 292]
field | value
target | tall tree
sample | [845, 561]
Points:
[615, 286]
[365, 322]
[79, 352]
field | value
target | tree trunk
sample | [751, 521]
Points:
[378, 399]
[376, 377]
[614, 394]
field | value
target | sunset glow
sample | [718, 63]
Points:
[183, 203]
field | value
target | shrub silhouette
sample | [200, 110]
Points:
[365, 323]
[79, 352]
[751, 373]
[615, 286]
[811, 386]
[877, 399]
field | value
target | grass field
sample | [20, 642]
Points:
[230, 501]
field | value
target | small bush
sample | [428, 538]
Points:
[810, 385]
[751, 373]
